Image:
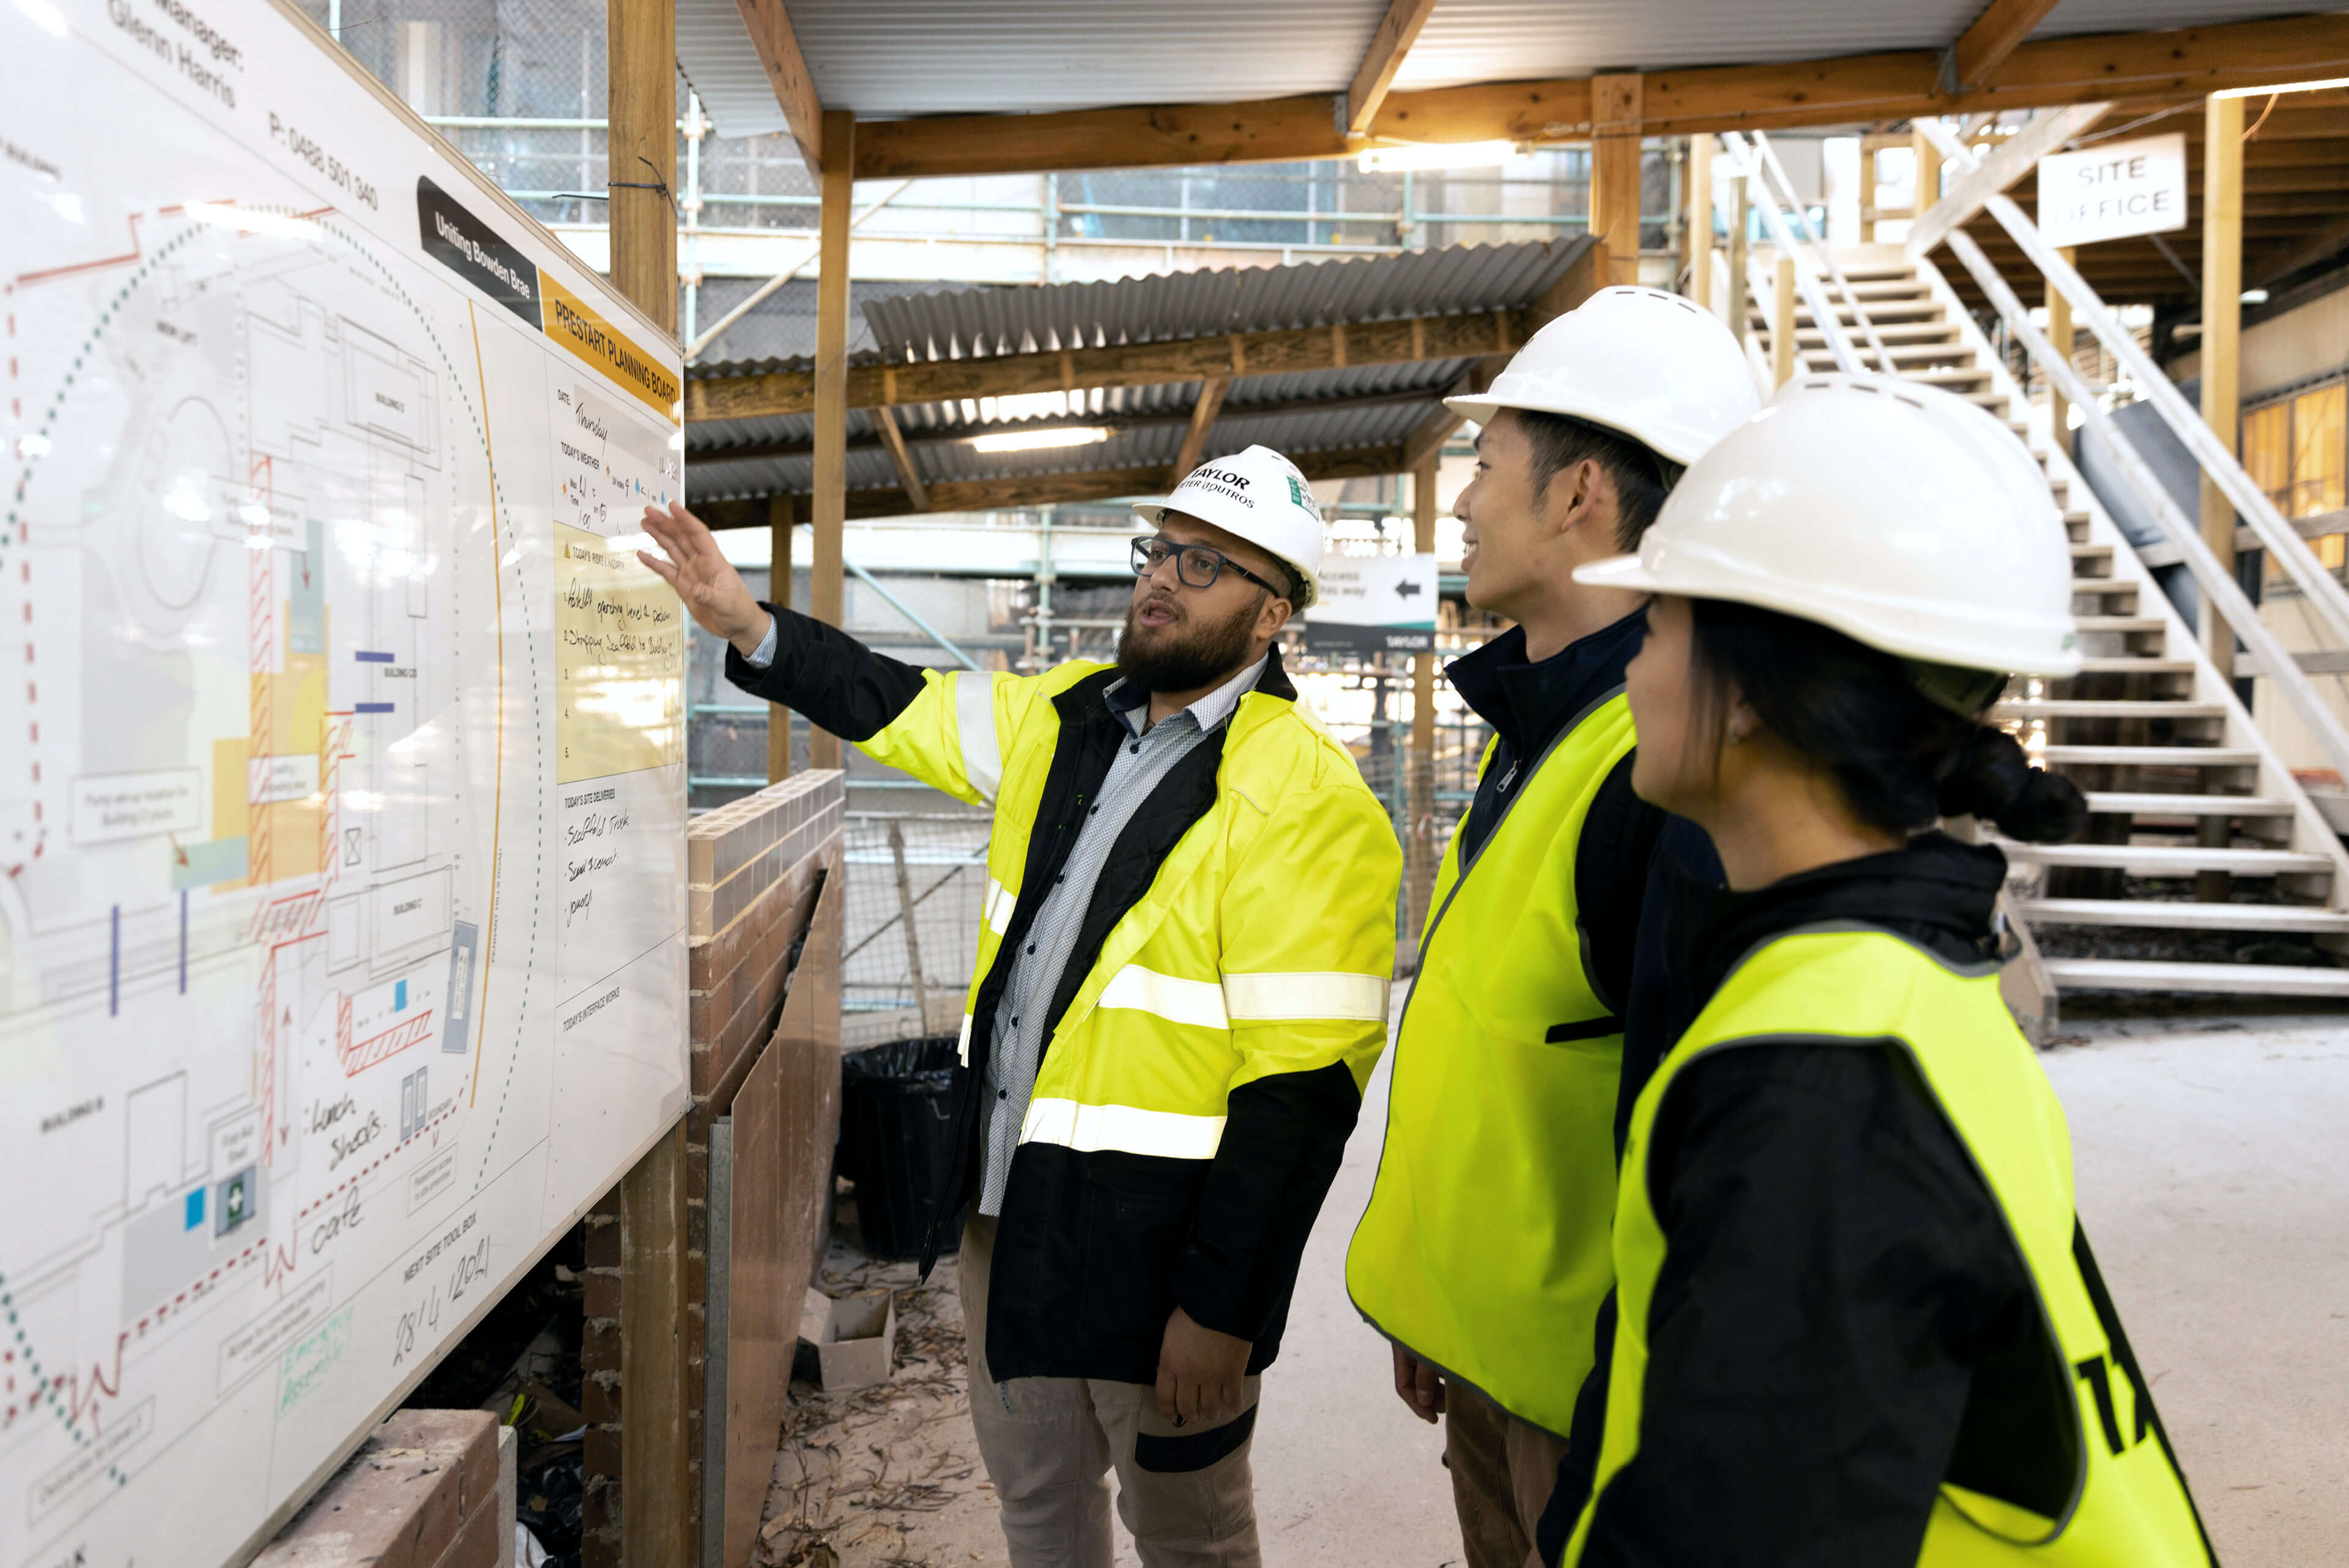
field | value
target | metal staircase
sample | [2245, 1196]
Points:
[2205, 866]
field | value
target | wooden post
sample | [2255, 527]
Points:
[1740, 212]
[830, 507]
[1699, 200]
[1615, 114]
[1867, 192]
[640, 86]
[2059, 334]
[1929, 177]
[2222, 330]
[1782, 325]
[779, 593]
[1419, 844]
[656, 1515]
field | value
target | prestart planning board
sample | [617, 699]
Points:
[342, 777]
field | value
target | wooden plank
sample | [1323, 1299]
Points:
[2059, 334]
[828, 384]
[2176, 62]
[1982, 48]
[640, 101]
[1867, 190]
[656, 1516]
[1397, 31]
[1194, 439]
[780, 520]
[1782, 324]
[787, 73]
[2223, 319]
[1615, 99]
[1699, 224]
[1277, 353]
[900, 458]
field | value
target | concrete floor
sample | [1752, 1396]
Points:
[2213, 1178]
[2211, 1163]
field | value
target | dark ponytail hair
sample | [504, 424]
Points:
[1901, 759]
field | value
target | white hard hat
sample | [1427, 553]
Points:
[1259, 496]
[1651, 364]
[1906, 520]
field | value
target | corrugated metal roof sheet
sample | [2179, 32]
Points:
[906, 323]
[886, 58]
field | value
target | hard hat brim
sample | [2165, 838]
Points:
[1477, 410]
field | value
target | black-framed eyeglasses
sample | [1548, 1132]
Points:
[1197, 565]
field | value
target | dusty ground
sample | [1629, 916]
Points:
[2212, 1160]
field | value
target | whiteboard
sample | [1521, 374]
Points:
[342, 783]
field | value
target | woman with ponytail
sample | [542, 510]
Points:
[1858, 1322]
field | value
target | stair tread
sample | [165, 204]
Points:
[2170, 860]
[2157, 803]
[2183, 916]
[2128, 975]
[2150, 756]
[2134, 665]
[2107, 708]
[2125, 623]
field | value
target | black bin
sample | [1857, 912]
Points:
[896, 1139]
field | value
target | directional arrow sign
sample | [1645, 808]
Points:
[1374, 604]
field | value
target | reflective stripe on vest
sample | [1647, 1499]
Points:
[996, 910]
[982, 751]
[1484, 1249]
[1869, 990]
[1088, 1127]
[1267, 997]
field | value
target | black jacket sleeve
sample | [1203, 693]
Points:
[822, 672]
[1836, 1274]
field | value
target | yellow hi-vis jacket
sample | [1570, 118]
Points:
[1484, 1250]
[1225, 1003]
[2128, 1501]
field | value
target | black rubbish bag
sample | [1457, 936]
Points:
[896, 1140]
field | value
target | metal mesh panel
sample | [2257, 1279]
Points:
[932, 867]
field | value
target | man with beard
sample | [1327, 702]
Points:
[1180, 990]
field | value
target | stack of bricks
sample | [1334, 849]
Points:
[753, 870]
[422, 1492]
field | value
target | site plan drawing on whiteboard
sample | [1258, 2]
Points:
[342, 789]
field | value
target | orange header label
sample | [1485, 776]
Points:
[571, 322]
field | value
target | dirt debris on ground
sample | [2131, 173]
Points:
[886, 1476]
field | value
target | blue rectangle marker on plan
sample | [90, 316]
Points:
[372, 707]
[371, 656]
[399, 996]
[195, 1210]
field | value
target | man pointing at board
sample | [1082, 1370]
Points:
[1181, 986]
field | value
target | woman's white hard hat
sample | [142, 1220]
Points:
[1261, 497]
[1901, 516]
[1653, 365]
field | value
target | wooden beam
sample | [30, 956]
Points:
[2329, 241]
[1982, 48]
[1195, 437]
[1783, 360]
[640, 96]
[655, 1517]
[886, 423]
[1615, 172]
[1867, 190]
[2059, 334]
[1278, 352]
[2223, 319]
[2010, 163]
[2179, 63]
[780, 517]
[1397, 31]
[1700, 216]
[787, 73]
[828, 388]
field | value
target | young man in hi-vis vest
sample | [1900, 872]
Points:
[1484, 1253]
[1181, 987]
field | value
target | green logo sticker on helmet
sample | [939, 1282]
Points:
[1300, 495]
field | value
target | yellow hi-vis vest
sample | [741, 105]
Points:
[1264, 945]
[1484, 1247]
[2129, 1507]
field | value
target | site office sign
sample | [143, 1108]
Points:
[2113, 191]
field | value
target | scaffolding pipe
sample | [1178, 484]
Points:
[2214, 579]
[920, 625]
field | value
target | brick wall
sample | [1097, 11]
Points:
[422, 1492]
[753, 870]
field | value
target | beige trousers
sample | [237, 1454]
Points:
[1503, 1471]
[1050, 1443]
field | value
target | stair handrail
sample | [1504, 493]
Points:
[2214, 579]
[1826, 257]
[2217, 460]
[1758, 192]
